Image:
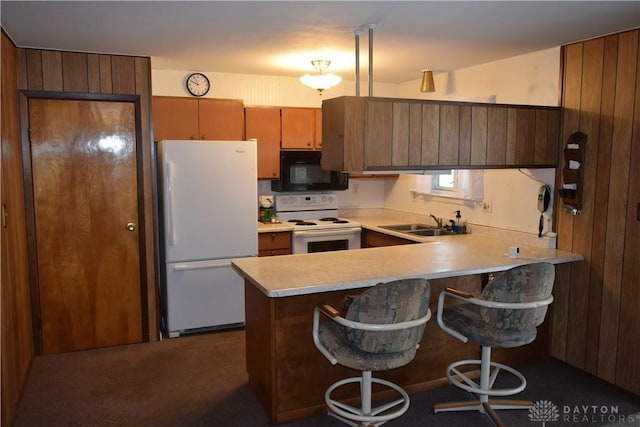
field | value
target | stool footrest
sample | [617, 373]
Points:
[476, 405]
[460, 380]
[372, 416]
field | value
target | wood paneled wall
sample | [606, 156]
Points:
[17, 334]
[58, 71]
[596, 323]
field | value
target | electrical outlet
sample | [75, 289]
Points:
[486, 206]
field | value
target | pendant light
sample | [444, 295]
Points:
[320, 81]
[427, 82]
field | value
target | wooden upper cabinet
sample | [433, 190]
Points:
[174, 118]
[378, 134]
[318, 127]
[263, 124]
[221, 119]
[449, 143]
[299, 129]
[369, 134]
[190, 118]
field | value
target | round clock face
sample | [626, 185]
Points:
[198, 84]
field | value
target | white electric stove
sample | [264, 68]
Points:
[316, 225]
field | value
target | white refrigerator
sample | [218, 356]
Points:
[207, 193]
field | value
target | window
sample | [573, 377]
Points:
[455, 184]
[444, 181]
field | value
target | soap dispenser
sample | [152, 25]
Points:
[456, 227]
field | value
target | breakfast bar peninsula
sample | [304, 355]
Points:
[287, 372]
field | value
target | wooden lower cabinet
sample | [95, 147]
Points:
[374, 239]
[288, 373]
[274, 243]
[290, 376]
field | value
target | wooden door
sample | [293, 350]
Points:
[263, 124]
[220, 119]
[175, 118]
[84, 171]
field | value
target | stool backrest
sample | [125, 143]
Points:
[526, 283]
[387, 303]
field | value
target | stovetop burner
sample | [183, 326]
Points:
[334, 220]
[301, 222]
[311, 211]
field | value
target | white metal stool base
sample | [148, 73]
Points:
[484, 389]
[460, 380]
[366, 414]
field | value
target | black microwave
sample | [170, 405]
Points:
[301, 171]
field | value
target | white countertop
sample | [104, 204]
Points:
[446, 256]
[274, 227]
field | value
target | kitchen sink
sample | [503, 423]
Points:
[409, 227]
[431, 232]
[418, 229]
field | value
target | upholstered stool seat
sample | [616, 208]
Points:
[506, 314]
[381, 330]
[467, 319]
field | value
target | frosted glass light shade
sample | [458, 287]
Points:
[320, 82]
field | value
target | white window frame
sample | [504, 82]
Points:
[468, 185]
[437, 188]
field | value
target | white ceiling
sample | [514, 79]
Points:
[281, 38]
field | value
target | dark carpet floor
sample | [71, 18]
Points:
[200, 380]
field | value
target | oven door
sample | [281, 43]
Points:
[337, 239]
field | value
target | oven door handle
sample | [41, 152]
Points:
[333, 232]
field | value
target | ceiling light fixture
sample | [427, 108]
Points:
[320, 81]
[427, 82]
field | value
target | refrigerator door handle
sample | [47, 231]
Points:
[202, 265]
[171, 228]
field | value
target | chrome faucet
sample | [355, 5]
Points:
[437, 220]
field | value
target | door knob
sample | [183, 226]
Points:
[131, 226]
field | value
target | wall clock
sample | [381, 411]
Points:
[198, 84]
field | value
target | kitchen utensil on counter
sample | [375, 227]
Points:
[266, 211]
[544, 195]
